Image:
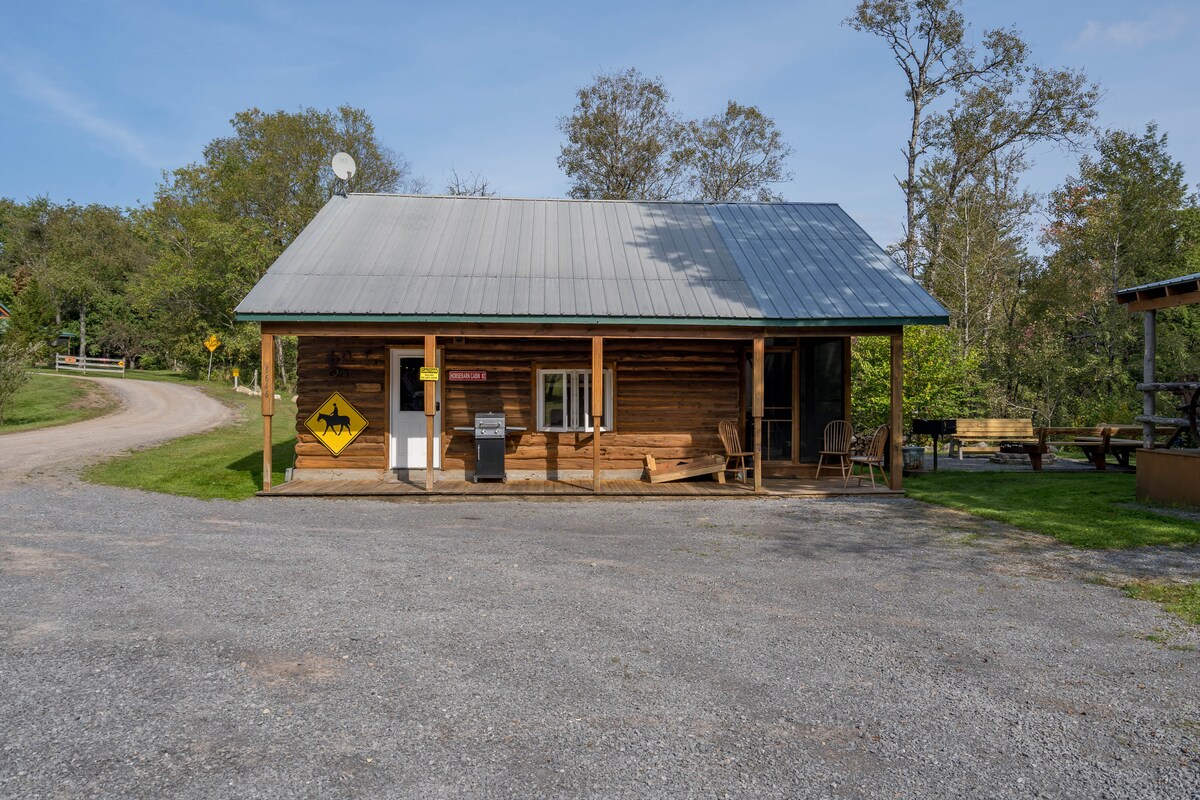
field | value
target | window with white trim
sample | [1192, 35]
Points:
[565, 400]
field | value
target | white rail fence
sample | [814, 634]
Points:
[87, 364]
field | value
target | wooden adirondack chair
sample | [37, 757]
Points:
[836, 446]
[728, 431]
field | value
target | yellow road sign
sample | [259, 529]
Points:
[428, 373]
[336, 423]
[236, 372]
[212, 342]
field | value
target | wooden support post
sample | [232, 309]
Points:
[430, 409]
[1148, 409]
[268, 403]
[757, 368]
[896, 455]
[597, 406]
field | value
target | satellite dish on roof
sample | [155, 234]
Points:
[344, 166]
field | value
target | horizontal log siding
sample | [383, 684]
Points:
[356, 368]
[669, 397]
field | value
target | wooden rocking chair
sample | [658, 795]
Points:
[727, 429]
[872, 458]
[836, 446]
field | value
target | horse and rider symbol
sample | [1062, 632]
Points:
[334, 421]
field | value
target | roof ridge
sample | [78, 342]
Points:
[404, 195]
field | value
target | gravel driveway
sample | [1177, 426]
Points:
[150, 412]
[164, 647]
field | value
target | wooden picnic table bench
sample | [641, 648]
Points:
[1097, 443]
[983, 432]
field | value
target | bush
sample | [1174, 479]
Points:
[14, 369]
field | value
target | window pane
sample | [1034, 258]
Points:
[553, 394]
[608, 400]
[777, 406]
[412, 388]
[582, 400]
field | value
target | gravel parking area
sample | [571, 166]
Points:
[164, 647]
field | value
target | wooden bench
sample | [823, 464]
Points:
[685, 468]
[991, 432]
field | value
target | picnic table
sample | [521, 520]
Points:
[1097, 443]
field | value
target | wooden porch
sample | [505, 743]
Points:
[771, 487]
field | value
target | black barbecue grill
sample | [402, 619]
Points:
[490, 435]
[935, 428]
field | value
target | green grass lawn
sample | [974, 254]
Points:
[1085, 509]
[48, 400]
[224, 463]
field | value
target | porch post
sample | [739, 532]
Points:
[597, 406]
[1148, 409]
[268, 403]
[430, 408]
[896, 457]
[760, 349]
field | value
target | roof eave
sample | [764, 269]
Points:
[856, 322]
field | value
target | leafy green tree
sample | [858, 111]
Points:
[1123, 220]
[940, 381]
[219, 224]
[736, 156]
[623, 141]
[15, 359]
[92, 250]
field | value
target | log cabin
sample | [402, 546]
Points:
[605, 331]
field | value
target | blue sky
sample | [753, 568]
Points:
[99, 98]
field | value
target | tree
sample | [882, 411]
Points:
[927, 39]
[736, 156]
[623, 142]
[939, 380]
[469, 185]
[92, 251]
[14, 369]
[981, 237]
[1123, 220]
[275, 168]
[219, 224]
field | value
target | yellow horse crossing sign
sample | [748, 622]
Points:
[336, 423]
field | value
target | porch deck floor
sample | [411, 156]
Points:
[772, 487]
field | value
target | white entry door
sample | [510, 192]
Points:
[406, 400]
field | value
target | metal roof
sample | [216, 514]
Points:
[1188, 282]
[426, 258]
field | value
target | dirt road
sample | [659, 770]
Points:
[149, 413]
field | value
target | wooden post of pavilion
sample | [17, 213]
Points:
[597, 406]
[757, 366]
[1149, 322]
[268, 403]
[430, 408]
[896, 456]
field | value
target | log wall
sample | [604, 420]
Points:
[670, 395]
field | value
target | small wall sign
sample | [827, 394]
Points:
[336, 423]
[466, 375]
[428, 373]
